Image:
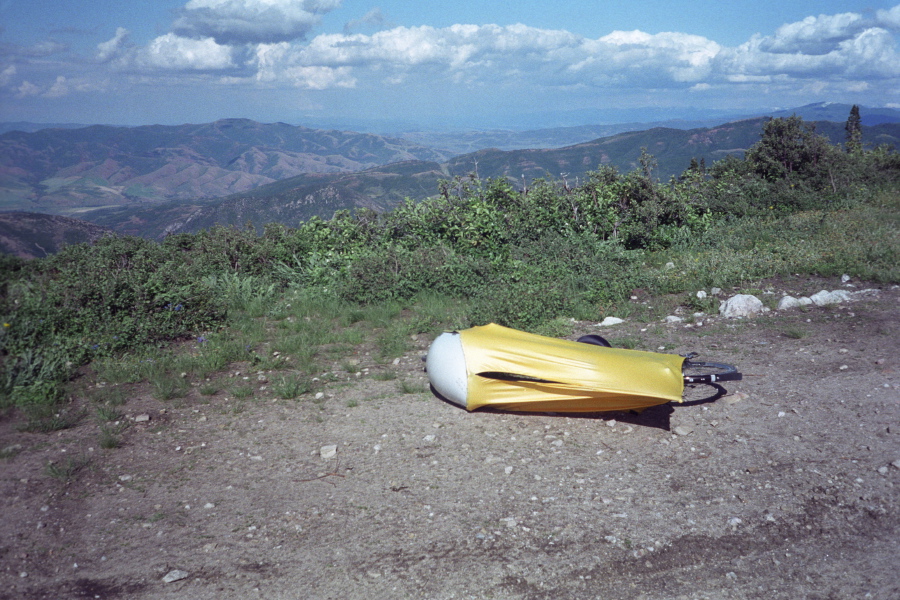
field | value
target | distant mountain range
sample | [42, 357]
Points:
[71, 170]
[472, 140]
[153, 181]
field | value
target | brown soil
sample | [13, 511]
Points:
[787, 487]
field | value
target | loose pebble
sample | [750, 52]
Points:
[735, 397]
[682, 430]
[327, 452]
[175, 575]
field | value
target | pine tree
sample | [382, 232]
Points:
[854, 131]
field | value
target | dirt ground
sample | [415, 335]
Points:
[786, 487]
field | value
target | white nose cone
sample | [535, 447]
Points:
[446, 366]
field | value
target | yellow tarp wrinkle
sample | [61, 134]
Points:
[578, 377]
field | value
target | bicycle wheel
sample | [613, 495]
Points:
[708, 372]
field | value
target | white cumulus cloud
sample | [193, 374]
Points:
[486, 53]
[178, 53]
[27, 89]
[844, 46]
[889, 18]
[113, 47]
[7, 74]
[251, 21]
[59, 88]
[815, 35]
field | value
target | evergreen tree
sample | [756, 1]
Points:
[854, 131]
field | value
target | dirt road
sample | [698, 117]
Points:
[787, 487]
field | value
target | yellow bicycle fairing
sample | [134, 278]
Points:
[572, 376]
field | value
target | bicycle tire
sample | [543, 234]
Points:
[709, 372]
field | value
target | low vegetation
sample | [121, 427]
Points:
[482, 251]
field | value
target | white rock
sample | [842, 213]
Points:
[670, 265]
[701, 295]
[175, 575]
[788, 302]
[825, 297]
[327, 452]
[320, 395]
[845, 278]
[715, 291]
[673, 319]
[741, 305]
[429, 438]
[610, 321]
[735, 397]
[681, 430]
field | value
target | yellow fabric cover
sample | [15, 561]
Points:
[585, 378]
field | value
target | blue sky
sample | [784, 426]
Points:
[438, 64]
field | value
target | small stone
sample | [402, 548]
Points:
[209, 505]
[610, 321]
[741, 305]
[682, 430]
[673, 319]
[327, 452]
[882, 470]
[701, 295]
[788, 302]
[125, 477]
[429, 438]
[320, 395]
[843, 368]
[896, 464]
[715, 291]
[825, 297]
[175, 575]
[142, 418]
[396, 362]
[845, 278]
[508, 470]
[735, 397]
[731, 575]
